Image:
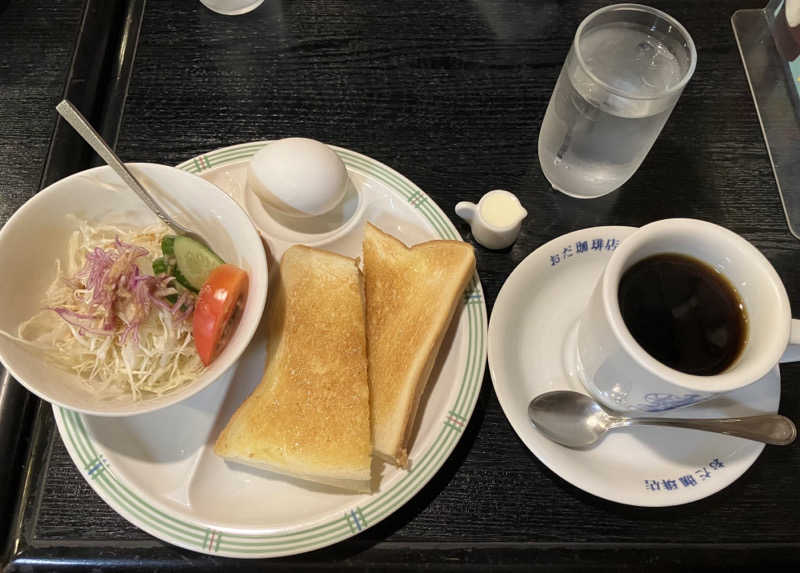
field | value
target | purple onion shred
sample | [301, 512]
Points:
[113, 277]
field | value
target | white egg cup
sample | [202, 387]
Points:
[312, 231]
[298, 190]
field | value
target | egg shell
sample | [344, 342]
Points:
[298, 177]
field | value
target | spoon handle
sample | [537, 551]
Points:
[76, 119]
[769, 428]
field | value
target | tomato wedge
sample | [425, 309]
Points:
[216, 303]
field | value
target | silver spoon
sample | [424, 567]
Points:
[577, 421]
[76, 119]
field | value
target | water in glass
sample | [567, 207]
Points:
[604, 116]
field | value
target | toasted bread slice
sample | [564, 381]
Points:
[412, 295]
[309, 416]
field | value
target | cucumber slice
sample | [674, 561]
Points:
[168, 245]
[173, 298]
[193, 262]
[160, 266]
[181, 281]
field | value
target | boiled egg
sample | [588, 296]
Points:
[297, 177]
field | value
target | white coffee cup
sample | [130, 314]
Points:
[621, 375]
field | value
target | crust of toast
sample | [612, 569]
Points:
[412, 295]
[309, 417]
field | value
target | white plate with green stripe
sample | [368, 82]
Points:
[158, 470]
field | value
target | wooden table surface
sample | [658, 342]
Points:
[452, 95]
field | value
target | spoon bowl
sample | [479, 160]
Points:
[569, 418]
[575, 420]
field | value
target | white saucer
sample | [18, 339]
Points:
[530, 329]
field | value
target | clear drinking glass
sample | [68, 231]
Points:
[625, 71]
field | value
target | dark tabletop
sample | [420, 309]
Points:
[450, 94]
[37, 47]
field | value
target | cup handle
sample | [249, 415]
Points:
[466, 210]
[792, 352]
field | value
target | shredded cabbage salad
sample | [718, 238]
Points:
[108, 318]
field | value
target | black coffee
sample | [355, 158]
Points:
[683, 313]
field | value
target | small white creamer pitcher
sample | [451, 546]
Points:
[496, 219]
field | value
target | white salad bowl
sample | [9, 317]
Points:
[37, 234]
